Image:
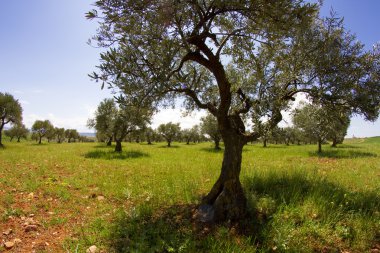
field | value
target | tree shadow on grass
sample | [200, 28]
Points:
[111, 155]
[342, 154]
[273, 200]
[171, 146]
[104, 146]
[281, 204]
[212, 150]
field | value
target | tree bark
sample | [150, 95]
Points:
[265, 143]
[334, 143]
[169, 143]
[40, 140]
[118, 147]
[18, 139]
[109, 142]
[227, 196]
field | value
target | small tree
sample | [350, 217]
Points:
[51, 134]
[60, 134]
[17, 131]
[149, 135]
[105, 116]
[209, 126]
[71, 135]
[339, 129]
[318, 122]
[128, 119]
[10, 112]
[169, 131]
[41, 129]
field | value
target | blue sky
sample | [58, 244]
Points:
[44, 59]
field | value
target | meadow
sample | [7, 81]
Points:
[67, 197]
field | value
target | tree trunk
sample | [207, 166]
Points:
[109, 142]
[335, 141]
[1, 135]
[118, 147]
[226, 198]
[40, 140]
[169, 143]
[319, 146]
[18, 139]
[217, 147]
[265, 143]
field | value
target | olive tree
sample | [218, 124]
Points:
[71, 135]
[17, 131]
[129, 119]
[41, 128]
[116, 122]
[10, 112]
[235, 59]
[318, 123]
[104, 118]
[209, 126]
[60, 134]
[169, 131]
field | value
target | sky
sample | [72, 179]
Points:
[45, 60]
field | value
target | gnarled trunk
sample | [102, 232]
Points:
[226, 198]
[118, 147]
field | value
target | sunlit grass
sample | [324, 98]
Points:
[299, 201]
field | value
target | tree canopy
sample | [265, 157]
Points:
[209, 126]
[116, 122]
[10, 112]
[41, 128]
[169, 131]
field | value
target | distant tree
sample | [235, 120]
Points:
[10, 112]
[105, 116]
[8, 133]
[339, 129]
[128, 119]
[18, 131]
[318, 123]
[51, 134]
[34, 136]
[265, 131]
[169, 131]
[60, 134]
[209, 126]
[71, 135]
[149, 135]
[289, 135]
[191, 135]
[41, 128]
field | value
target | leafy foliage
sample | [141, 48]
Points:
[42, 128]
[169, 131]
[10, 111]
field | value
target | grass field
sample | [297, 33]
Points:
[67, 197]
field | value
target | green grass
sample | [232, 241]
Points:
[299, 200]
